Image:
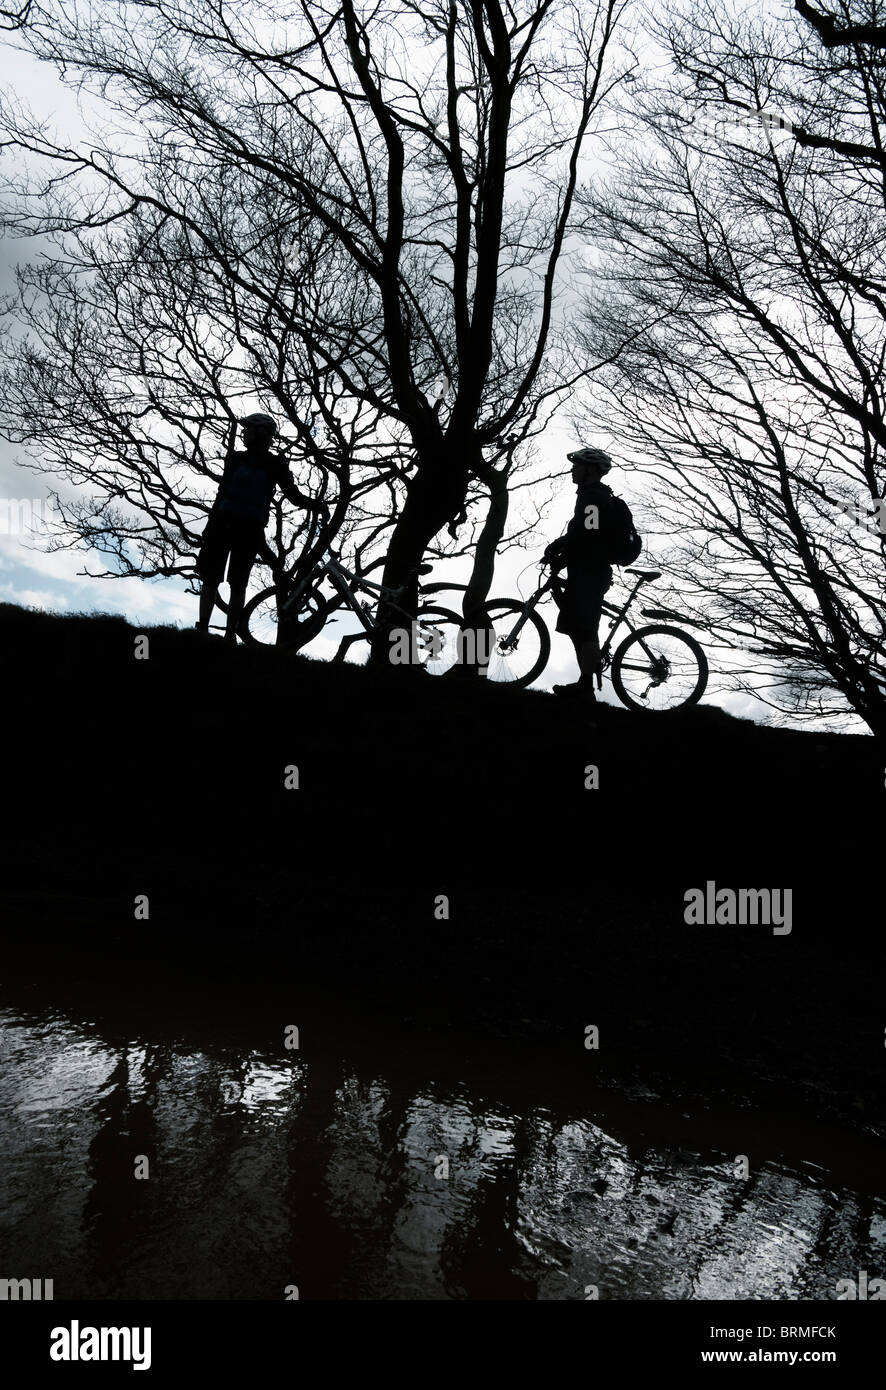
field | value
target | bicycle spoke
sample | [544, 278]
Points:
[518, 647]
[263, 622]
[516, 657]
[660, 670]
[436, 640]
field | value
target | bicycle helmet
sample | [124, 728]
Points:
[595, 457]
[265, 421]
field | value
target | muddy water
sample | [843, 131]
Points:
[402, 1170]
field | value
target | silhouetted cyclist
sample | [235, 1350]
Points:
[588, 571]
[236, 524]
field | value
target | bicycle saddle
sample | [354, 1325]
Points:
[425, 569]
[644, 574]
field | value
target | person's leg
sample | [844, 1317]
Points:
[210, 569]
[208, 595]
[588, 656]
[566, 623]
[587, 650]
[235, 611]
[585, 611]
[585, 655]
[243, 552]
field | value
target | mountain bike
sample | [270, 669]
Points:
[432, 636]
[655, 667]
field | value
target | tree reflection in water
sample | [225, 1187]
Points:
[323, 1173]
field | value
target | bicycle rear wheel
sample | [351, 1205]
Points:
[432, 643]
[659, 668]
[436, 639]
[261, 625]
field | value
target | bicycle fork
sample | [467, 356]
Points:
[507, 643]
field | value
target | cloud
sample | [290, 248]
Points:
[32, 598]
[67, 590]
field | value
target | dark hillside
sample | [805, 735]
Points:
[165, 777]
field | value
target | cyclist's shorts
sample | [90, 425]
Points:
[231, 541]
[582, 603]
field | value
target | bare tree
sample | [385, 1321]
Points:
[436, 143]
[122, 370]
[750, 267]
[14, 17]
[856, 24]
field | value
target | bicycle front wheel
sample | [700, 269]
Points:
[659, 668]
[520, 644]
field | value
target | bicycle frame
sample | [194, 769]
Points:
[619, 615]
[342, 578]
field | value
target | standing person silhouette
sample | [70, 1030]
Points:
[236, 524]
[589, 573]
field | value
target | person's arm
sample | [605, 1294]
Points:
[230, 455]
[555, 553]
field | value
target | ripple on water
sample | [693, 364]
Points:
[269, 1171]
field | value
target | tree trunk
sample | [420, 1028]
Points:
[477, 632]
[435, 495]
[291, 633]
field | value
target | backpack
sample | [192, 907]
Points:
[620, 540]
